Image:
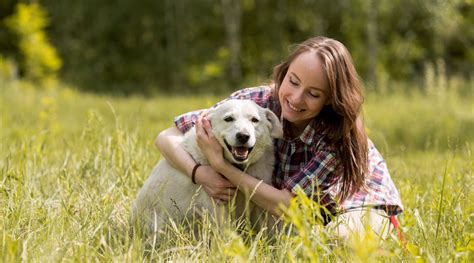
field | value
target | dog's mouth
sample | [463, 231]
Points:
[240, 153]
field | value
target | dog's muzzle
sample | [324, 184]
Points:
[240, 153]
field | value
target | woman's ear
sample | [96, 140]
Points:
[276, 130]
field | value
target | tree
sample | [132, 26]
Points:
[232, 13]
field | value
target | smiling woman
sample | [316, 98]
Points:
[304, 91]
[324, 151]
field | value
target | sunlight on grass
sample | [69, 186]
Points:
[71, 165]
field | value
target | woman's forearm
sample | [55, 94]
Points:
[169, 144]
[262, 194]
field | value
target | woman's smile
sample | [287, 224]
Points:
[294, 108]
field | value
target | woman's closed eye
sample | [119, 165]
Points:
[293, 82]
[314, 94]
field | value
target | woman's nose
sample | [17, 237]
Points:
[297, 97]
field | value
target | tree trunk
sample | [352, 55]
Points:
[232, 12]
[372, 43]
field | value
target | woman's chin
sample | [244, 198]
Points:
[291, 115]
[296, 121]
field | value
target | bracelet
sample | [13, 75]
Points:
[193, 174]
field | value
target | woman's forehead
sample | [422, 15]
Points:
[308, 69]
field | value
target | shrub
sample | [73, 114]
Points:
[39, 59]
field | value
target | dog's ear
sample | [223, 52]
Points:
[276, 130]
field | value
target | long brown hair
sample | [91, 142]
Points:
[340, 118]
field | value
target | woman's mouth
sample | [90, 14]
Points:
[293, 107]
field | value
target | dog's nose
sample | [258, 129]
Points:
[242, 137]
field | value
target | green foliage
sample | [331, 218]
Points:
[71, 163]
[176, 46]
[40, 61]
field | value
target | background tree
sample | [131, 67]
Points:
[186, 46]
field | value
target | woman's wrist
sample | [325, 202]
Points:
[216, 164]
[194, 172]
[220, 166]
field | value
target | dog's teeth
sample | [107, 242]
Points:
[240, 152]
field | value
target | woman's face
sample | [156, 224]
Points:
[304, 90]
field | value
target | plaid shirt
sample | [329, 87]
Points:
[309, 163]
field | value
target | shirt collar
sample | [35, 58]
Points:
[309, 134]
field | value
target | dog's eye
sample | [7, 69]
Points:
[228, 119]
[255, 120]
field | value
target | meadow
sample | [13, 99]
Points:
[72, 163]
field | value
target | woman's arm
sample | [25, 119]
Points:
[264, 195]
[169, 144]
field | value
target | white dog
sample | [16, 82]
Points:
[245, 131]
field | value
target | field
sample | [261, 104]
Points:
[72, 162]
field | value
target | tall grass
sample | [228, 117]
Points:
[71, 165]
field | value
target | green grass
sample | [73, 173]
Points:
[71, 165]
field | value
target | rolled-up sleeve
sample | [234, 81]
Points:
[186, 121]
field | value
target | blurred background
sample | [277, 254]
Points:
[192, 47]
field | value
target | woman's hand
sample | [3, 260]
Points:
[217, 186]
[208, 143]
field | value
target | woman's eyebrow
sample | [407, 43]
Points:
[294, 74]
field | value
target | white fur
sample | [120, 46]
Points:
[169, 194]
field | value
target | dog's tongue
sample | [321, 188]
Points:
[240, 152]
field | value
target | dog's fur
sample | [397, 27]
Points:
[169, 194]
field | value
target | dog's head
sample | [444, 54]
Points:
[244, 129]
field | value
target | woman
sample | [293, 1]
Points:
[325, 151]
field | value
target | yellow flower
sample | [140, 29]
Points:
[47, 101]
[43, 115]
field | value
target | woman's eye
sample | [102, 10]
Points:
[255, 120]
[293, 82]
[228, 119]
[314, 95]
